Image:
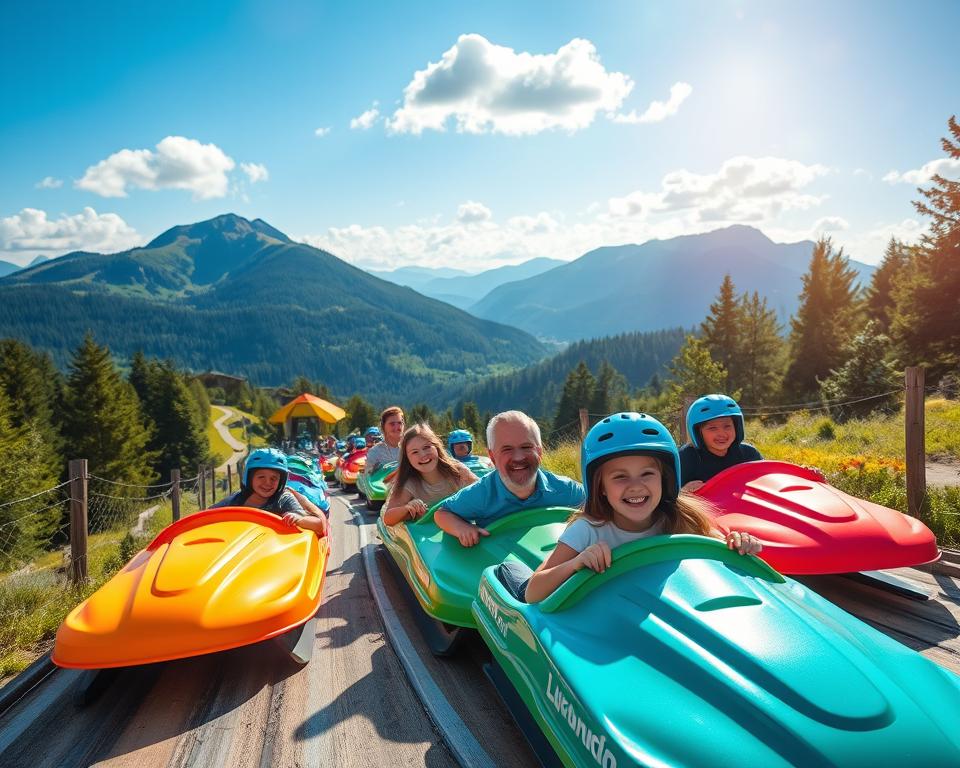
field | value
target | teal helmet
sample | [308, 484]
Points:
[359, 444]
[266, 458]
[712, 407]
[459, 436]
[373, 434]
[340, 445]
[626, 434]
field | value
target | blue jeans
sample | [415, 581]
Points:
[514, 576]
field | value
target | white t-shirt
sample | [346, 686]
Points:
[581, 533]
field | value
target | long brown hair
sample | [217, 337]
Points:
[688, 514]
[447, 466]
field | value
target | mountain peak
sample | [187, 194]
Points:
[227, 226]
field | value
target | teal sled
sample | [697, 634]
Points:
[443, 576]
[375, 486]
[479, 465]
[684, 653]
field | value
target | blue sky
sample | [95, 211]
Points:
[472, 135]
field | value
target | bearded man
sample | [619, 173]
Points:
[515, 448]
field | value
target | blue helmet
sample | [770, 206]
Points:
[628, 433]
[341, 446]
[712, 407]
[373, 433]
[266, 458]
[359, 444]
[458, 436]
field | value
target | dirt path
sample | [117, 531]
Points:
[239, 449]
[943, 473]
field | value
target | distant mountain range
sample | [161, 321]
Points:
[460, 288]
[659, 284]
[8, 267]
[240, 296]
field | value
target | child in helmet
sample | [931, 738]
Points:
[460, 444]
[630, 466]
[715, 431]
[263, 487]
[425, 474]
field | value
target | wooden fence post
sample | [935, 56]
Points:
[78, 520]
[229, 479]
[687, 402]
[915, 439]
[584, 423]
[202, 485]
[175, 493]
[213, 484]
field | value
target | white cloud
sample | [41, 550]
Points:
[255, 172]
[366, 120]
[947, 167]
[48, 182]
[473, 213]
[321, 132]
[30, 233]
[831, 224]
[744, 189]
[178, 163]
[491, 88]
[542, 223]
[658, 110]
[869, 245]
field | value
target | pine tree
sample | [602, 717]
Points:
[722, 332]
[609, 392]
[102, 421]
[472, 422]
[178, 433]
[420, 413]
[578, 391]
[27, 524]
[879, 302]
[694, 372]
[865, 376]
[360, 414]
[926, 323]
[33, 388]
[824, 321]
[761, 353]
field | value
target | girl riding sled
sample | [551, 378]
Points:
[425, 475]
[630, 468]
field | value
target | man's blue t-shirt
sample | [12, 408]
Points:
[488, 499]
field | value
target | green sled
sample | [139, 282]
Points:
[443, 575]
[684, 653]
[373, 488]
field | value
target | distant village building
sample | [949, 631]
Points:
[220, 379]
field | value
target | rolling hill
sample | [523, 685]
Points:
[240, 296]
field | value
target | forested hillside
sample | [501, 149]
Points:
[537, 388]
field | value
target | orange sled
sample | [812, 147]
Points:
[215, 580]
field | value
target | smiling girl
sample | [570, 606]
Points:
[425, 475]
[631, 467]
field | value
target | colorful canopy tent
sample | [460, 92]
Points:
[309, 407]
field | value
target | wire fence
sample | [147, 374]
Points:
[36, 587]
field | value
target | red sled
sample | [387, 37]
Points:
[809, 527]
